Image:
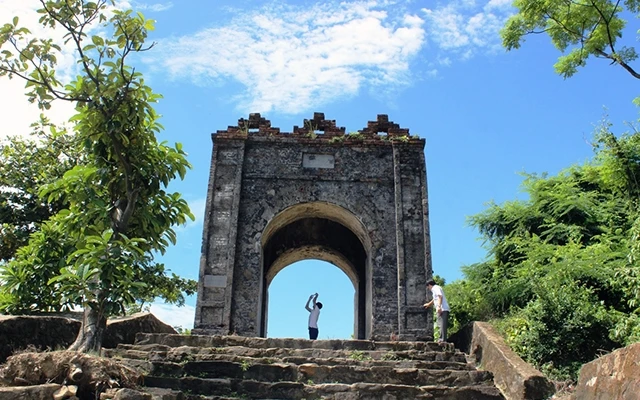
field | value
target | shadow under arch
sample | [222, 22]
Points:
[323, 231]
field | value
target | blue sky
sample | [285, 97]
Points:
[435, 67]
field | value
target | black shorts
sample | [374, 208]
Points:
[313, 333]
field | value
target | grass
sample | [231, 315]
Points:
[244, 365]
[359, 355]
[389, 356]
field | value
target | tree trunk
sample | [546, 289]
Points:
[94, 324]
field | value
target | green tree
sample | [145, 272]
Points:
[119, 212]
[27, 166]
[581, 28]
[563, 272]
[562, 277]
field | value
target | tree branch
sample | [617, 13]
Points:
[76, 36]
[623, 64]
[607, 23]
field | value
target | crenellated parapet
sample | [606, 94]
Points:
[255, 125]
[383, 125]
[319, 124]
[319, 128]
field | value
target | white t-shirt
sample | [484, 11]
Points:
[436, 290]
[313, 317]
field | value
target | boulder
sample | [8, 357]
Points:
[37, 332]
[36, 392]
[124, 329]
[613, 376]
[125, 394]
[42, 332]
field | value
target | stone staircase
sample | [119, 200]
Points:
[179, 367]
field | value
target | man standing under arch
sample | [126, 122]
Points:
[314, 314]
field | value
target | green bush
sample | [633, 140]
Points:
[561, 329]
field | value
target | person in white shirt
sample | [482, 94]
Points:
[442, 308]
[314, 314]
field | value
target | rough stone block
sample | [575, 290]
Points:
[36, 392]
[124, 329]
[614, 376]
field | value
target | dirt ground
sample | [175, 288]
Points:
[92, 374]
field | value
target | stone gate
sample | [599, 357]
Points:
[357, 200]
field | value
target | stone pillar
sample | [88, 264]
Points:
[412, 242]
[215, 284]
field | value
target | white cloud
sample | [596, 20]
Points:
[499, 4]
[157, 7]
[291, 59]
[197, 207]
[18, 114]
[174, 315]
[466, 28]
[446, 61]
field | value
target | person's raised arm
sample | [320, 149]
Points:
[309, 301]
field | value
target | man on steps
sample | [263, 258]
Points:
[442, 308]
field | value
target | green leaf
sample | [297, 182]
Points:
[149, 24]
[97, 40]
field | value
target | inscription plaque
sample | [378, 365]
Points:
[310, 160]
[215, 281]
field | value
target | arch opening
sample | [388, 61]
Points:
[324, 232]
[289, 290]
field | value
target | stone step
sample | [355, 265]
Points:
[262, 343]
[177, 354]
[248, 389]
[347, 374]
[145, 364]
[158, 393]
[231, 367]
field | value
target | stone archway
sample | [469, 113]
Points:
[356, 200]
[325, 232]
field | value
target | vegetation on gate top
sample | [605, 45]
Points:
[318, 128]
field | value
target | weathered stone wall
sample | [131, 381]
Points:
[516, 379]
[369, 192]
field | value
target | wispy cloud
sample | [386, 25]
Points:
[291, 59]
[465, 27]
[18, 114]
[174, 315]
[157, 7]
[197, 207]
